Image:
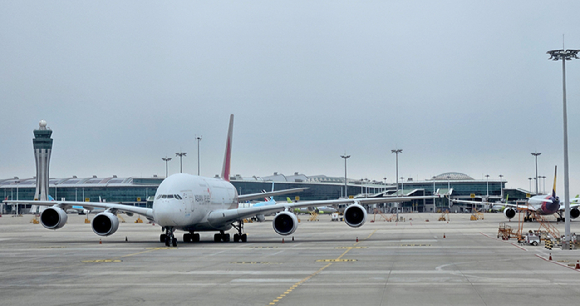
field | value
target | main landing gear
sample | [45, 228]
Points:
[191, 237]
[239, 236]
[168, 237]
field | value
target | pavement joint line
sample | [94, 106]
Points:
[319, 270]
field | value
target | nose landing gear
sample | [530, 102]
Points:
[168, 237]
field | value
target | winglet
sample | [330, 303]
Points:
[228, 153]
[554, 188]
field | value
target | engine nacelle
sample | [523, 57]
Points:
[509, 212]
[355, 215]
[105, 224]
[285, 223]
[574, 213]
[53, 218]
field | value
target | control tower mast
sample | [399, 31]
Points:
[42, 149]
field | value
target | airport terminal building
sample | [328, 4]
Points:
[140, 191]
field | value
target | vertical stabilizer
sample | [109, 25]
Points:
[228, 153]
[554, 188]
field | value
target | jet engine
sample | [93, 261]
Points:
[355, 215]
[285, 223]
[105, 224]
[509, 212]
[574, 213]
[53, 218]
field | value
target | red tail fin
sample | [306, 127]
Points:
[554, 188]
[228, 154]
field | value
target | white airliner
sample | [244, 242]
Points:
[200, 204]
[547, 204]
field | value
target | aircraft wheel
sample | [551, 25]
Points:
[535, 243]
[196, 237]
[236, 238]
[162, 237]
[244, 237]
[186, 237]
[217, 237]
[226, 238]
[174, 242]
[167, 241]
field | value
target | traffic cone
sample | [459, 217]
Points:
[126, 239]
[100, 241]
[356, 239]
[282, 240]
[550, 256]
[443, 235]
[292, 238]
[577, 265]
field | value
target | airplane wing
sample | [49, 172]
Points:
[146, 212]
[231, 215]
[521, 207]
[252, 196]
[474, 202]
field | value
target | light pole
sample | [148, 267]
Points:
[536, 155]
[529, 178]
[198, 140]
[345, 186]
[166, 159]
[181, 155]
[501, 185]
[17, 204]
[565, 55]
[434, 204]
[487, 182]
[55, 191]
[449, 192]
[397, 151]
[544, 184]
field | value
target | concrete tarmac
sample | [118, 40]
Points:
[393, 263]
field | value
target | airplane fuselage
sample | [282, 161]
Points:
[184, 201]
[542, 207]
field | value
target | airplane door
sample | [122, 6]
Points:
[187, 196]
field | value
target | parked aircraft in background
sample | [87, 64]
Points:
[197, 204]
[318, 210]
[547, 204]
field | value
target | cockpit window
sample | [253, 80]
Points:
[169, 196]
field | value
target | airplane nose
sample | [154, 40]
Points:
[162, 214]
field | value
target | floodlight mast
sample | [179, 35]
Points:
[565, 55]
[397, 151]
[198, 140]
[345, 186]
[181, 155]
[536, 155]
[166, 159]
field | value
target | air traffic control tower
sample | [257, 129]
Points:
[42, 149]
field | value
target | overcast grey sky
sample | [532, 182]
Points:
[463, 86]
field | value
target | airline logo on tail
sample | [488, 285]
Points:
[554, 188]
[228, 153]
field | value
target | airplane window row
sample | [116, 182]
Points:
[169, 196]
